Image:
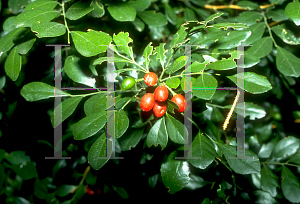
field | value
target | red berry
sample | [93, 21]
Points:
[161, 93]
[147, 102]
[98, 191]
[180, 101]
[150, 78]
[159, 109]
[89, 191]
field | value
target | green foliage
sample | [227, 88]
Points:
[151, 36]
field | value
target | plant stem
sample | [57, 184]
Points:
[217, 106]
[173, 93]
[132, 61]
[64, 14]
[132, 97]
[269, 28]
[83, 178]
[278, 163]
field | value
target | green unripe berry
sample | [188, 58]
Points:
[127, 83]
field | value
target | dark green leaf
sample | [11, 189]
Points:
[233, 39]
[240, 166]
[122, 12]
[290, 185]
[17, 158]
[266, 149]
[139, 24]
[173, 83]
[295, 159]
[95, 104]
[73, 71]
[79, 9]
[287, 63]
[292, 11]
[16, 5]
[24, 47]
[152, 18]
[9, 24]
[30, 17]
[87, 43]
[99, 149]
[121, 123]
[99, 10]
[286, 35]
[257, 30]
[6, 42]
[205, 41]
[170, 14]
[176, 130]
[13, 64]
[205, 86]
[269, 181]
[179, 63]
[64, 190]
[174, 173]
[147, 52]
[26, 171]
[158, 134]
[160, 53]
[202, 147]
[286, 147]
[196, 182]
[68, 106]
[41, 4]
[263, 197]
[121, 191]
[89, 125]
[123, 39]
[140, 5]
[48, 29]
[225, 26]
[253, 82]
[249, 17]
[131, 139]
[277, 15]
[248, 5]
[261, 48]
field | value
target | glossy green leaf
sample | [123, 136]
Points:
[35, 91]
[277, 15]
[173, 83]
[196, 182]
[121, 123]
[153, 18]
[13, 64]
[99, 10]
[205, 86]
[252, 110]
[73, 71]
[67, 107]
[179, 37]
[292, 11]
[16, 5]
[95, 104]
[121, 191]
[6, 42]
[48, 29]
[26, 171]
[24, 47]
[189, 15]
[225, 26]
[216, 115]
[240, 166]
[123, 39]
[30, 17]
[286, 147]
[202, 147]
[198, 67]
[253, 82]
[170, 14]
[256, 180]
[122, 12]
[179, 63]
[99, 149]
[261, 48]
[64, 190]
[266, 149]
[257, 30]
[174, 173]
[269, 181]
[41, 4]
[140, 5]
[176, 130]
[9, 24]
[250, 60]
[290, 185]
[158, 134]
[248, 5]
[147, 52]
[160, 53]
[205, 41]
[287, 63]
[139, 24]
[79, 9]
[116, 59]
[17, 157]
[233, 39]
[130, 140]
[213, 17]
[249, 17]
[286, 35]
[87, 43]
[89, 125]
[171, 106]
[223, 64]
[264, 197]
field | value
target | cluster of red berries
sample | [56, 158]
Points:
[157, 100]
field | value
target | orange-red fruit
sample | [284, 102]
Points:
[161, 93]
[159, 109]
[180, 101]
[147, 102]
[150, 78]
[90, 191]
